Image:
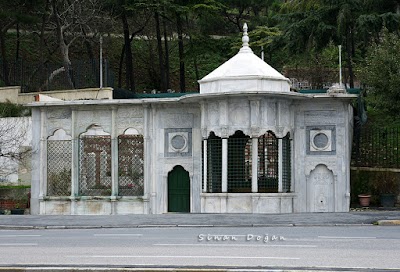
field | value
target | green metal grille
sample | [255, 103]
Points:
[286, 167]
[214, 164]
[268, 163]
[95, 166]
[130, 165]
[59, 162]
[239, 163]
[375, 146]
[202, 167]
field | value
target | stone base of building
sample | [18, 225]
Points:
[247, 203]
[93, 206]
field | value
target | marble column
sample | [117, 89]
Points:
[224, 185]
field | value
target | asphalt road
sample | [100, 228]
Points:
[356, 247]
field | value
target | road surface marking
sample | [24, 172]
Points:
[237, 245]
[118, 234]
[187, 257]
[19, 244]
[20, 235]
[342, 237]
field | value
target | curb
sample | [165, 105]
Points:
[62, 227]
[389, 222]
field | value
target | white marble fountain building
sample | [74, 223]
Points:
[245, 144]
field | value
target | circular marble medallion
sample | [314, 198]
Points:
[320, 140]
[178, 142]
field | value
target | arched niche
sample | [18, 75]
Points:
[95, 130]
[59, 135]
[131, 131]
[321, 190]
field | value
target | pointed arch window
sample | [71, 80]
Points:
[59, 163]
[214, 163]
[239, 163]
[130, 164]
[274, 163]
[268, 163]
[271, 156]
[95, 162]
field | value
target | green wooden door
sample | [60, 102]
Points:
[178, 190]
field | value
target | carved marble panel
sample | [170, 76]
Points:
[320, 188]
[133, 122]
[239, 113]
[131, 112]
[178, 142]
[178, 120]
[269, 113]
[320, 116]
[54, 124]
[63, 113]
[321, 140]
[284, 114]
[84, 119]
[213, 114]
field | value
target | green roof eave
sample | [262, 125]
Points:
[318, 91]
[162, 95]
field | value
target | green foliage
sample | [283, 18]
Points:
[264, 36]
[373, 182]
[386, 183]
[13, 110]
[15, 186]
[59, 184]
[381, 74]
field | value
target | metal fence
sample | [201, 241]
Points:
[95, 166]
[376, 147]
[130, 165]
[286, 164]
[34, 77]
[59, 159]
[268, 163]
[214, 164]
[239, 164]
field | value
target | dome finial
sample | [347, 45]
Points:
[245, 38]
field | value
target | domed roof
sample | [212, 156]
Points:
[244, 72]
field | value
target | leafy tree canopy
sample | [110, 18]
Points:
[381, 73]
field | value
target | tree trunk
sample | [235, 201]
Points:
[166, 47]
[162, 87]
[6, 72]
[350, 58]
[18, 43]
[121, 61]
[128, 54]
[95, 68]
[182, 83]
[63, 46]
[196, 68]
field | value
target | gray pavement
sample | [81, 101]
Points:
[382, 217]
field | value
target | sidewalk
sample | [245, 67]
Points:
[383, 217]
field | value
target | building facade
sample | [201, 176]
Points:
[245, 144]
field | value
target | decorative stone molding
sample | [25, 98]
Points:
[321, 140]
[311, 165]
[224, 132]
[320, 116]
[169, 167]
[59, 134]
[178, 142]
[64, 113]
[130, 112]
[177, 120]
[255, 132]
[204, 132]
